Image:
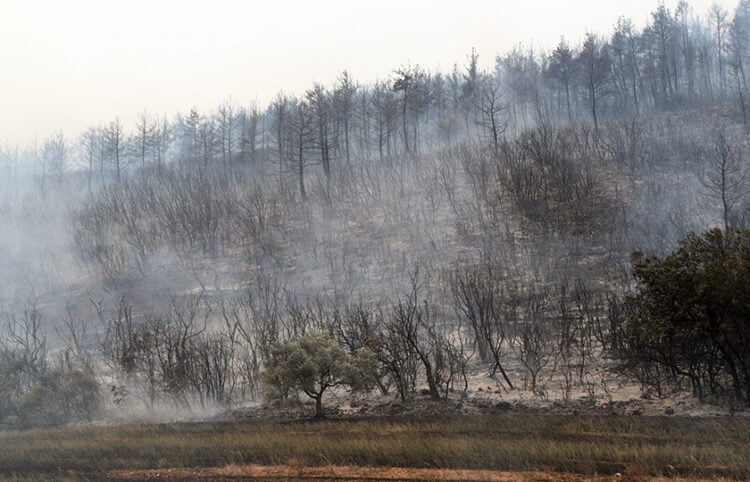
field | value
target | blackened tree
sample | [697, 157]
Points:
[595, 73]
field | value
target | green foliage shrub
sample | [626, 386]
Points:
[690, 320]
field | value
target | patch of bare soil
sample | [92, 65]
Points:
[333, 472]
[603, 394]
[478, 404]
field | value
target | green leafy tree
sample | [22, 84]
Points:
[690, 319]
[313, 364]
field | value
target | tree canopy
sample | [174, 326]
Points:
[690, 320]
[314, 363]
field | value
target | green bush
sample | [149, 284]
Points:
[61, 397]
[690, 320]
[52, 398]
[313, 364]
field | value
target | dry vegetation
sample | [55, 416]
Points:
[635, 447]
[471, 236]
[287, 472]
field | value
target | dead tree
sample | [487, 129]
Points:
[479, 297]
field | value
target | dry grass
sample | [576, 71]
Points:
[591, 446]
[334, 472]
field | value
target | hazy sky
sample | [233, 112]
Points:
[68, 64]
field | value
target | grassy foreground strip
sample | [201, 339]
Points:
[632, 446]
[337, 472]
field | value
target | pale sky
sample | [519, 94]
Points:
[69, 64]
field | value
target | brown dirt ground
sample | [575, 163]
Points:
[343, 473]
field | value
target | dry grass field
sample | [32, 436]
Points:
[498, 447]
